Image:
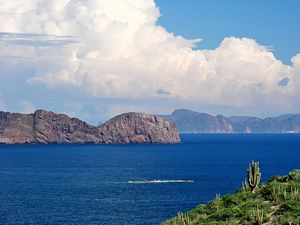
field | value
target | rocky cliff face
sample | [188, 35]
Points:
[138, 128]
[16, 128]
[48, 127]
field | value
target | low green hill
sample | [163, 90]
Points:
[276, 202]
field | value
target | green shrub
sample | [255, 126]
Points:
[294, 175]
[277, 200]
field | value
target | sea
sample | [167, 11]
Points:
[132, 184]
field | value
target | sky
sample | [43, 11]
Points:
[270, 23]
[94, 59]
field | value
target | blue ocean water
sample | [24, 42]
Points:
[88, 184]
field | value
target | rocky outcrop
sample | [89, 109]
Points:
[16, 128]
[48, 127]
[138, 128]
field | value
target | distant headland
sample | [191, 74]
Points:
[43, 127]
[188, 121]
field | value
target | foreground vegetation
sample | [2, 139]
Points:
[276, 202]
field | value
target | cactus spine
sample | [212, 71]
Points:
[253, 176]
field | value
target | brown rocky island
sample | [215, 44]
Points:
[47, 127]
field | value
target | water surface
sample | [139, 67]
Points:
[88, 184]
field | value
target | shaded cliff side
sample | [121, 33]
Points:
[48, 127]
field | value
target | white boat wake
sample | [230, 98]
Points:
[158, 181]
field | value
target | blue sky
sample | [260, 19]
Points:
[274, 23]
[96, 59]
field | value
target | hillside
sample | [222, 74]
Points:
[277, 202]
[194, 122]
[48, 127]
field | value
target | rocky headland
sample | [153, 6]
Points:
[47, 127]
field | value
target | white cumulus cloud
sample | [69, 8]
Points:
[116, 49]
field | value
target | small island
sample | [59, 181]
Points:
[43, 127]
[276, 202]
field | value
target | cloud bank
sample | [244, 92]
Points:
[116, 49]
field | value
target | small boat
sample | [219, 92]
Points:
[158, 181]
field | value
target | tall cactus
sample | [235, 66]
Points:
[253, 176]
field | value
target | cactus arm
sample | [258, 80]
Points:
[253, 176]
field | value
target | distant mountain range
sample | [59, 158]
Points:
[194, 122]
